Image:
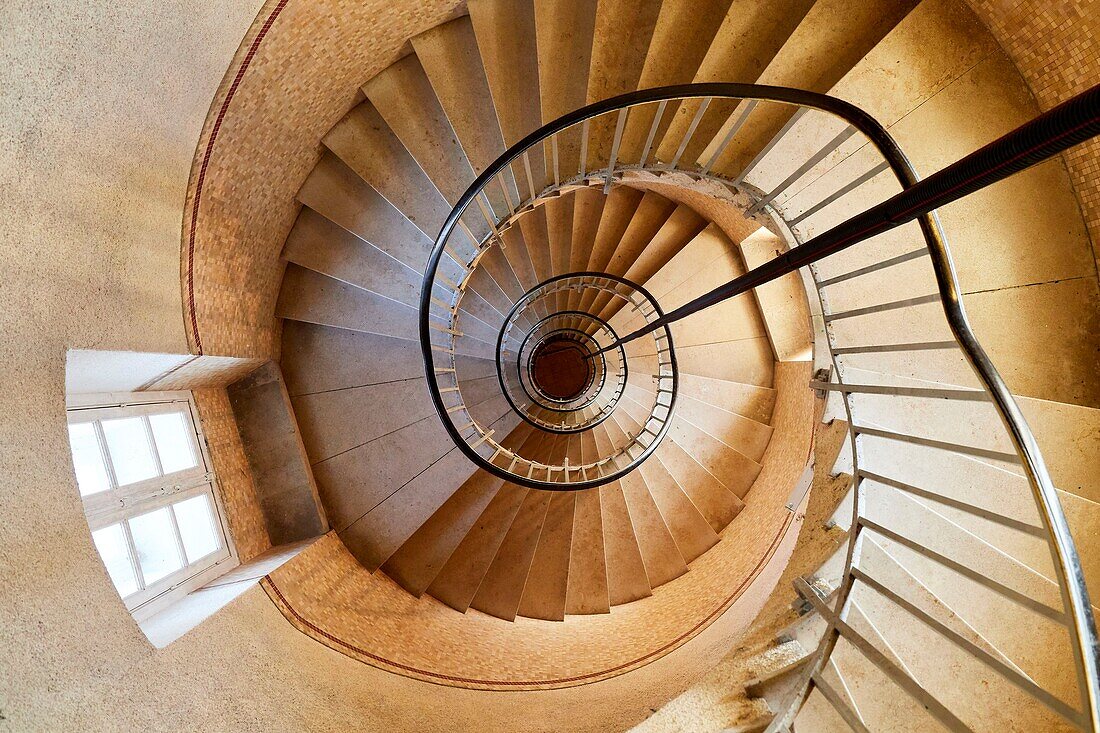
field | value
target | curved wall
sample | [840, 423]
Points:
[297, 73]
[108, 103]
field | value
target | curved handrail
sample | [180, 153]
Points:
[1067, 563]
[578, 339]
[607, 469]
[581, 342]
[500, 349]
[440, 249]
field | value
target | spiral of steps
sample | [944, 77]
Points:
[413, 510]
[493, 545]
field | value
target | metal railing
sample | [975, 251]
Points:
[522, 329]
[768, 191]
[595, 399]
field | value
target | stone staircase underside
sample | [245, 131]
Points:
[330, 596]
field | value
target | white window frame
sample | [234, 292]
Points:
[120, 503]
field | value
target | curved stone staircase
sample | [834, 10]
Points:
[484, 542]
[411, 507]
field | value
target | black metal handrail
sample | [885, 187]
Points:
[515, 311]
[1053, 132]
[575, 335]
[1059, 129]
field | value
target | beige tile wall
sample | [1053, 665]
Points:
[266, 143]
[246, 521]
[1056, 46]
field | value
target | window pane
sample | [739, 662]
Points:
[196, 522]
[170, 431]
[111, 543]
[128, 444]
[156, 545]
[91, 474]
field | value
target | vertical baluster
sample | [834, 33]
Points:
[619, 125]
[584, 149]
[690, 132]
[653, 131]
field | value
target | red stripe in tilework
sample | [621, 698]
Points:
[206, 161]
[443, 679]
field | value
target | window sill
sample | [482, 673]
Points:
[172, 622]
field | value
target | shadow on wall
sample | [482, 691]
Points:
[167, 488]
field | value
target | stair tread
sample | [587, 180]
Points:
[689, 528]
[751, 401]
[650, 215]
[830, 39]
[544, 593]
[738, 432]
[627, 579]
[316, 298]
[662, 558]
[342, 196]
[374, 537]
[367, 145]
[626, 574]
[496, 263]
[354, 482]
[714, 501]
[588, 204]
[515, 252]
[564, 49]
[620, 39]
[501, 588]
[734, 469]
[678, 230]
[559, 233]
[506, 40]
[405, 99]
[334, 421]
[450, 58]
[320, 245]
[317, 358]
[537, 240]
[618, 210]
[422, 556]
[746, 41]
[458, 581]
[748, 361]
[677, 45]
[587, 590]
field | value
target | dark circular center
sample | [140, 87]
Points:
[559, 368]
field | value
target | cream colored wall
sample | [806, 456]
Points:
[103, 105]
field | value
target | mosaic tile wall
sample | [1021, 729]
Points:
[233, 240]
[246, 521]
[1056, 46]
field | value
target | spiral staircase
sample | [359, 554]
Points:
[474, 250]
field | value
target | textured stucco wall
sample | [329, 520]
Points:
[104, 104]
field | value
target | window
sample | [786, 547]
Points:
[150, 498]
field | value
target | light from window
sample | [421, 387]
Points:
[170, 433]
[115, 551]
[131, 454]
[91, 474]
[155, 540]
[197, 529]
[148, 496]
